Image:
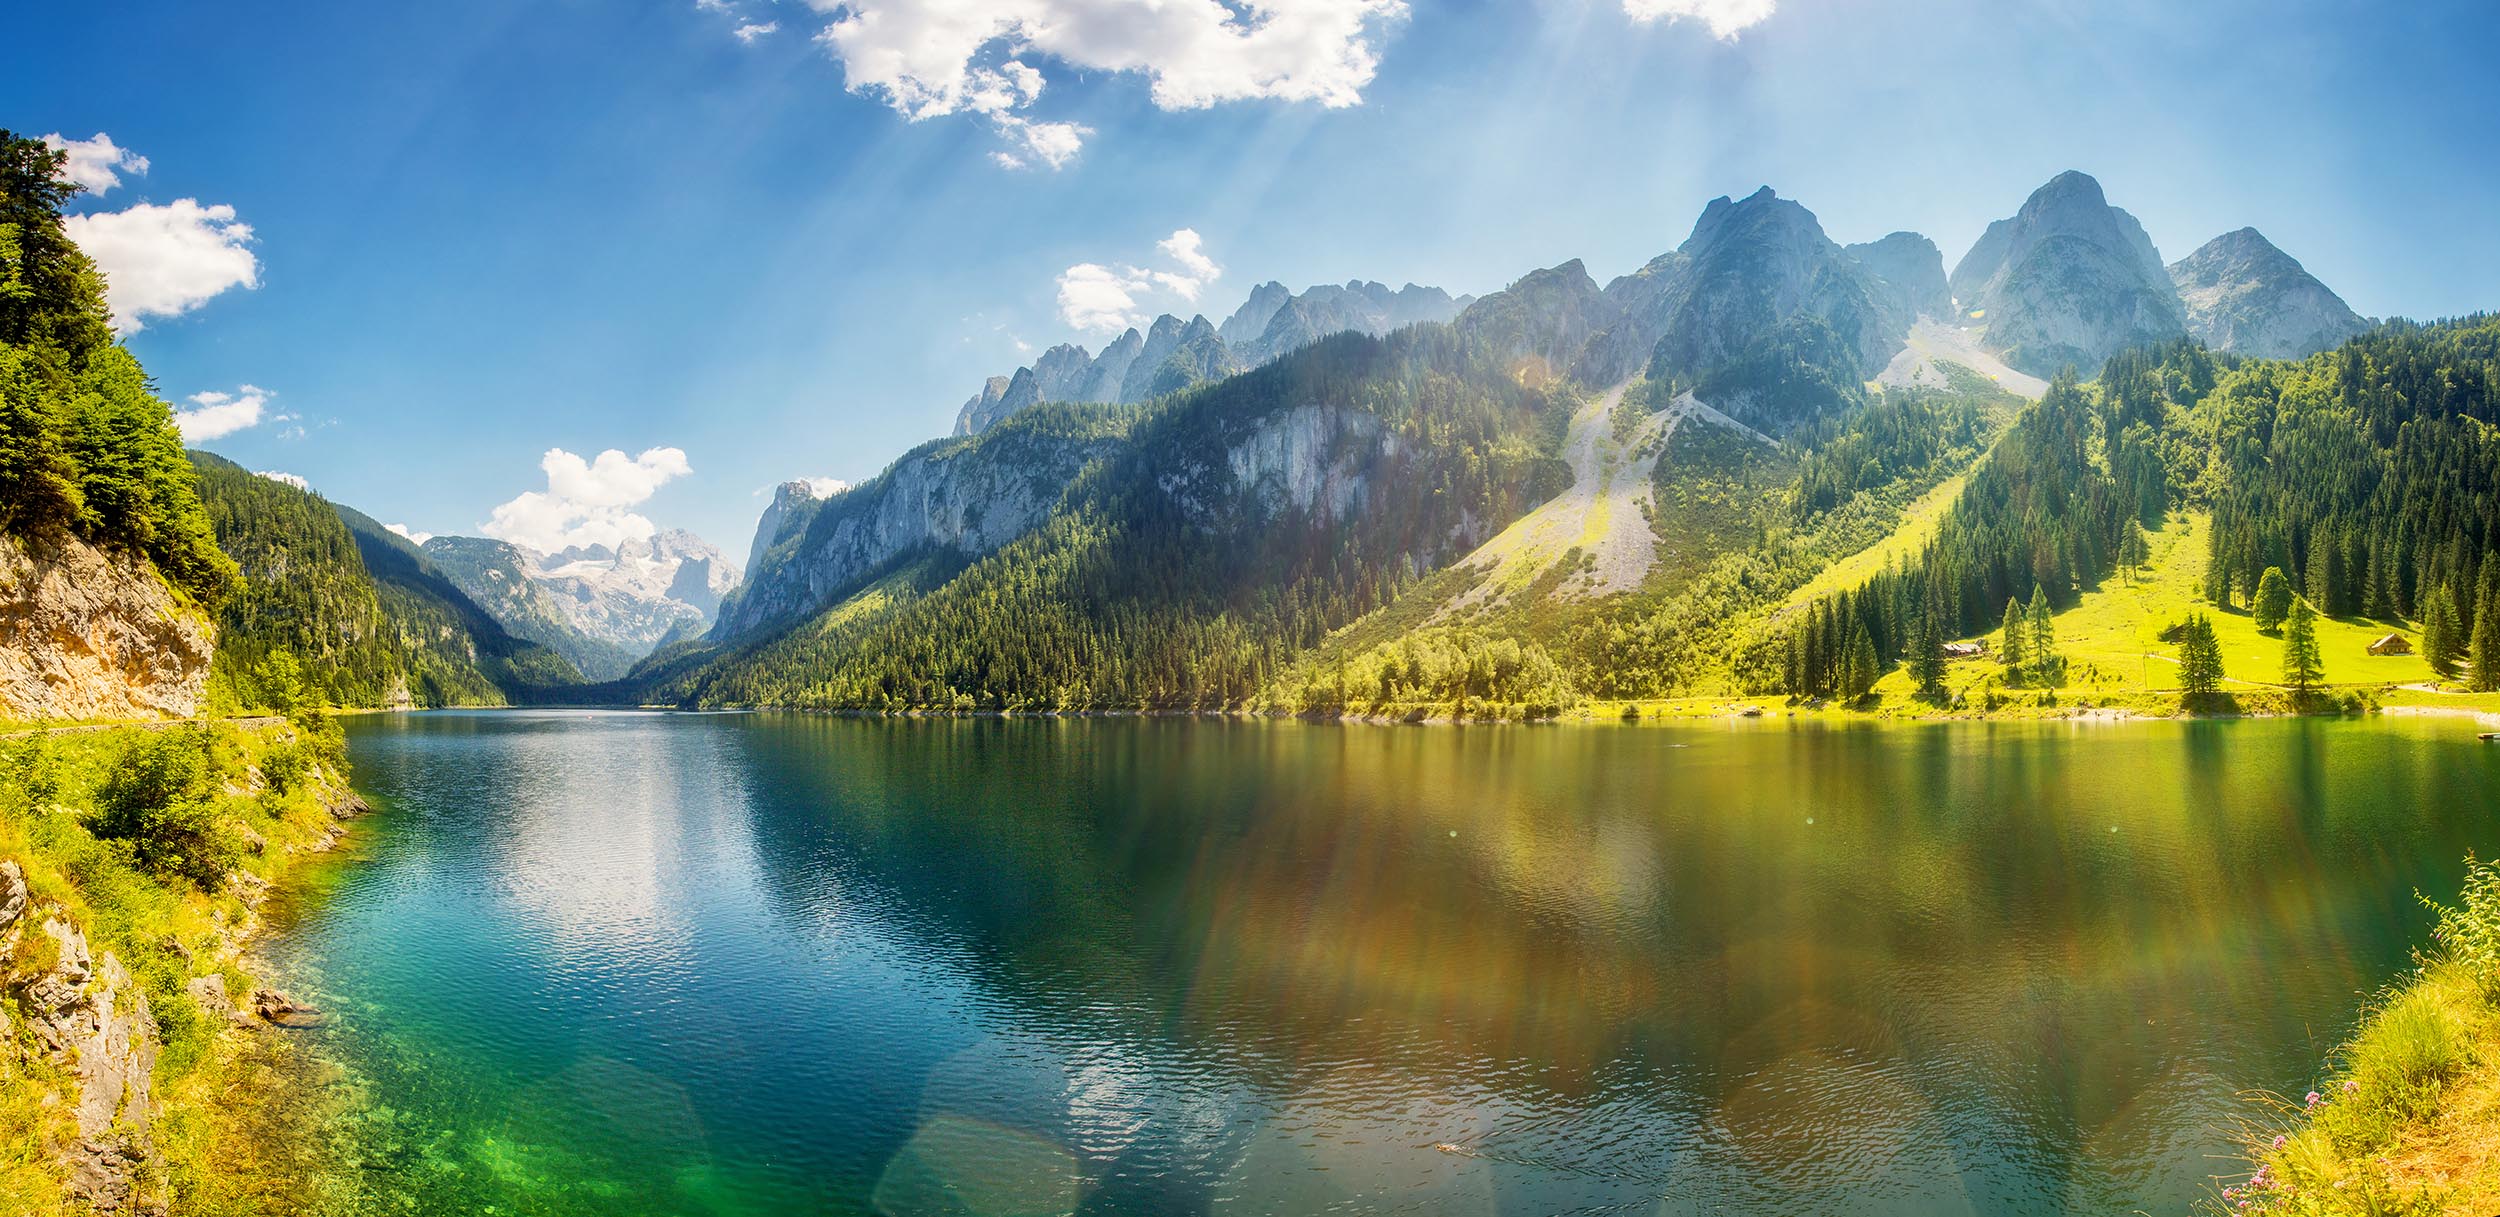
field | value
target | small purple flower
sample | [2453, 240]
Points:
[2278, 1140]
[2314, 1100]
[2351, 1087]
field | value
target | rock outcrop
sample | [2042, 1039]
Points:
[2246, 296]
[89, 1016]
[86, 634]
[2068, 281]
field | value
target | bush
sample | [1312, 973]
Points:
[159, 801]
[2469, 934]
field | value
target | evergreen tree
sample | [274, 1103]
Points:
[2274, 600]
[2134, 550]
[2011, 645]
[2323, 579]
[1927, 657]
[2046, 667]
[1858, 665]
[2482, 664]
[2302, 667]
[2442, 637]
[2200, 657]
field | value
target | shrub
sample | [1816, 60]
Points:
[159, 801]
[2469, 933]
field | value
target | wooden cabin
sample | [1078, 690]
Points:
[1966, 650]
[2392, 644]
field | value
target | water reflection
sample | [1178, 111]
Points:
[791, 964]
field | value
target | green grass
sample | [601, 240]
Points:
[2116, 658]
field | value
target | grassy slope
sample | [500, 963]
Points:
[2116, 658]
[2112, 640]
[1919, 522]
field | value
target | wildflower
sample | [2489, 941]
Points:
[2278, 1140]
[2314, 1100]
[2351, 1087]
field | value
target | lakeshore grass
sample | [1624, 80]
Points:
[2408, 1119]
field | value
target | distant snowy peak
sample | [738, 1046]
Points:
[602, 608]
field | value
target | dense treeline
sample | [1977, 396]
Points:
[2369, 475]
[1168, 581]
[87, 449]
[334, 610]
[2362, 482]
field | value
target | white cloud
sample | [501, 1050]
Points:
[753, 30]
[585, 501]
[213, 415]
[98, 163]
[165, 260]
[962, 56]
[1109, 299]
[411, 536]
[1726, 18]
[825, 488]
[292, 479]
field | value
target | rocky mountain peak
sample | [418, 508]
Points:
[1543, 321]
[1913, 268]
[2245, 295]
[2068, 280]
[1251, 319]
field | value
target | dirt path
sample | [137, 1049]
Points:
[144, 724]
[1605, 513]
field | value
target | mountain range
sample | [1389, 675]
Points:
[1172, 354]
[1344, 489]
[1757, 326]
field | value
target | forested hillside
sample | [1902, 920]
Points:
[2360, 484]
[1237, 525]
[334, 609]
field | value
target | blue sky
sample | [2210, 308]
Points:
[482, 231]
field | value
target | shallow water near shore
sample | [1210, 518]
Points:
[625, 963]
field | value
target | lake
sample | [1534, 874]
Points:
[622, 963]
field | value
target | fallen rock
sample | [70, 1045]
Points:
[284, 1011]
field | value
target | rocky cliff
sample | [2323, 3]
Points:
[2067, 281]
[89, 635]
[2246, 296]
[84, 1012]
[963, 497]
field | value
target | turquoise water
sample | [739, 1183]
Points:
[642, 963]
